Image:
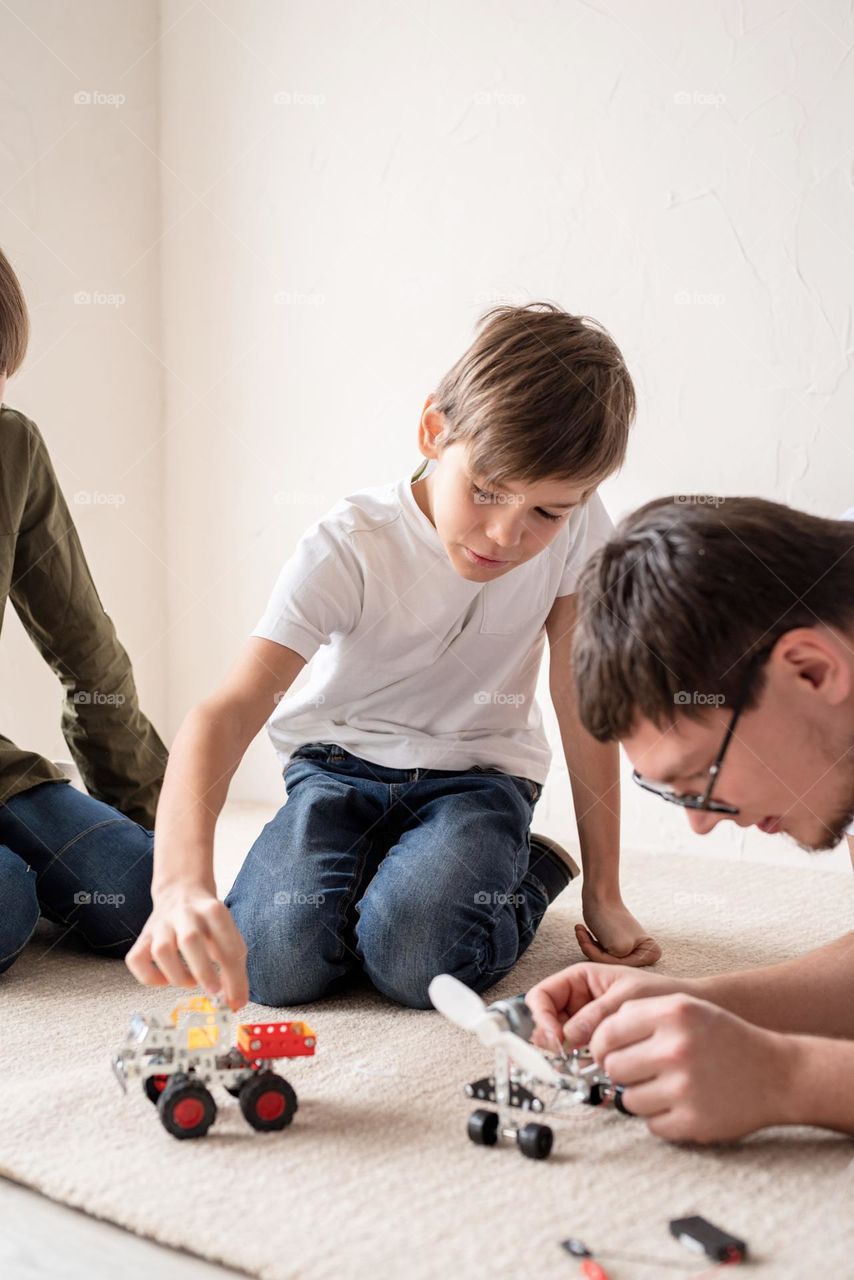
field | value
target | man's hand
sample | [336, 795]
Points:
[569, 1005]
[611, 935]
[189, 940]
[694, 1071]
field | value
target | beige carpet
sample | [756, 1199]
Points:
[376, 1177]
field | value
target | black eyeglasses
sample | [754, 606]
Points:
[703, 802]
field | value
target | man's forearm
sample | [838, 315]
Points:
[819, 1089]
[810, 995]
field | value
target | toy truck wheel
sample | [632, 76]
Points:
[187, 1109]
[618, 1102]
[268, 1101]
[535, 1141]
[483, 1128]
[595, 1098]
[154, 1086]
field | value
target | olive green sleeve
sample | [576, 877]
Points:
[120, 756]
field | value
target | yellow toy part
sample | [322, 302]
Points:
[199, 1037]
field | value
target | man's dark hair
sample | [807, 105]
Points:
[673, 607]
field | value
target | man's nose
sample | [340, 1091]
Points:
[702, 822]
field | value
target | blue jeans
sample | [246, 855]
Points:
[77, 861]
[399, 873]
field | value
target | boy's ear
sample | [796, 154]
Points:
[431, 428]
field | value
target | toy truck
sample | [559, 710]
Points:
[178, 1060]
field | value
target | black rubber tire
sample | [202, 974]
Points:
[152, 1089]
[595, 1099]
[179, 1091]
[535, 1141]
[482, 1127]
[268, 1102]
[618, 1101]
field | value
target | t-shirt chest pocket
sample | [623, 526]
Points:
[516, 601]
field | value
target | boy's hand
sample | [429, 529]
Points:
[612, 935]
[694, 1071]
[570, 1005]
[189, 940]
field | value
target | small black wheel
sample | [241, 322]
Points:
[618, 1101]
[153, 1086]
[482, 1128]
[595, 1099]
[187, 1108]
[268, 1101]
[535, 1141]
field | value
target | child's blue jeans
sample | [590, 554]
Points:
[77, 861]
[401, 873]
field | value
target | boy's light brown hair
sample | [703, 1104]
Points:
[14, 322]
[540, 393]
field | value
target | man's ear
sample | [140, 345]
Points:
[816, 656]
[431, 429]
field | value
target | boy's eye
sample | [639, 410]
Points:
[484, 496]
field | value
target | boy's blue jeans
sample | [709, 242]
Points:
[77, 861]
[402, 873]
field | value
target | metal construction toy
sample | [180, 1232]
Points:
[561, 1079]
[179, 1059]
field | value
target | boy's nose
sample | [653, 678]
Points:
[504, 533]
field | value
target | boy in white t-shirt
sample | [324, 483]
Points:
[415, 754]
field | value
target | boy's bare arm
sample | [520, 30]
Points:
[851, 850]
[190, 931]
[613, 934]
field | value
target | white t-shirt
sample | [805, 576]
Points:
[412, 666]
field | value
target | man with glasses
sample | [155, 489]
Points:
[716, 642]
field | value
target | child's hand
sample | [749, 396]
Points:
[189, 940]
[612, 935]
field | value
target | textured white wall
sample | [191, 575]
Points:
[346, 186]
[682, 172]
[79, 220]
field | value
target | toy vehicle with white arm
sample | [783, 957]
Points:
[525, 1079]
[179, 1059]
